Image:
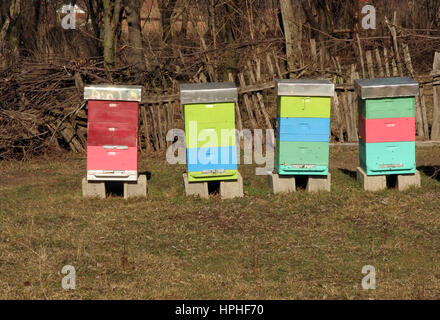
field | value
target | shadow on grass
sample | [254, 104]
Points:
[116, 188]
[350, 173]
[147, 173]
[431, 171]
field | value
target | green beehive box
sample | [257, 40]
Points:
[385, 98]
[380, 108]
[209, 110]
[304, 107]
[302, 158]
[203, 119]
[304, 100]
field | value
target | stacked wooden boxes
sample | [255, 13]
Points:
[209, 110]
[303, 132]
[386, 108]
[112, 135]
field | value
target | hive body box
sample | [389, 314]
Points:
[303, 130]
[387, 125]
[210, 131]
[112, 132]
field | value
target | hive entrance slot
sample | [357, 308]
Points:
[391, 181]
[214, 187]
[114, 188]
[301, 182]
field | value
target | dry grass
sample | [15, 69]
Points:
[168, 246]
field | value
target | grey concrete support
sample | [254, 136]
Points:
[405, 181]
[230, 189]
[281, 184]
[319, 183]
[371, 183]
[93, 189]
[136, 189]
[196, 188]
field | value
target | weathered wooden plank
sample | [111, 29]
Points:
[387, 67]
[313, 50]
[156, 143]
[379, 63]
[337, 113]
[393, 31]
[260, 101]
[370, 64]
[146, 126]
[435, 131]
[247, 102]
[352, 97]
[256, 107]
[237, 108]
[422, 126]
[292, 32]
[361, 56]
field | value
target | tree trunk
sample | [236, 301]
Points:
[112, 15]
[136, 56]
[9, 29]
[293, 33]
[231, 59]
[322, 22]
[166, 8]
[185, 18]
[95, 9]
[435, 131]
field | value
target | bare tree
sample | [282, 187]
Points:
[166, 8]
[292, 22]
[10, 25]
[132, 9]
[95, 9]
[112, 18]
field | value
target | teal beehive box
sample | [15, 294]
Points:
[303, 130]
[386, 108]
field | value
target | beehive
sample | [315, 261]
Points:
[209, 110]
[112, 132]
[386, 108]
[303, 130]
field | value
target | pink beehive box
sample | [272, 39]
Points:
[387, 129]
[112, 131]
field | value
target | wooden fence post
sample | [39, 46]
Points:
[435, 131]
[421, 118]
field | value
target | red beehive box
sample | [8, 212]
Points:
[112, 132]
[387, 129]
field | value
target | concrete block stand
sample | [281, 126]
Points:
[406, 181]
[93, 189]
[136, 189]
[281, 184]
[196, 188]
[319, 183]
[229, 189]
[371, 183]
[287, 184]
[377, 183]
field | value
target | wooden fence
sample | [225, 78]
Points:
[257, 107]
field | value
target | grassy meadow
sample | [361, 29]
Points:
[262, 246]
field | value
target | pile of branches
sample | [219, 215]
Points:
[41, 106]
